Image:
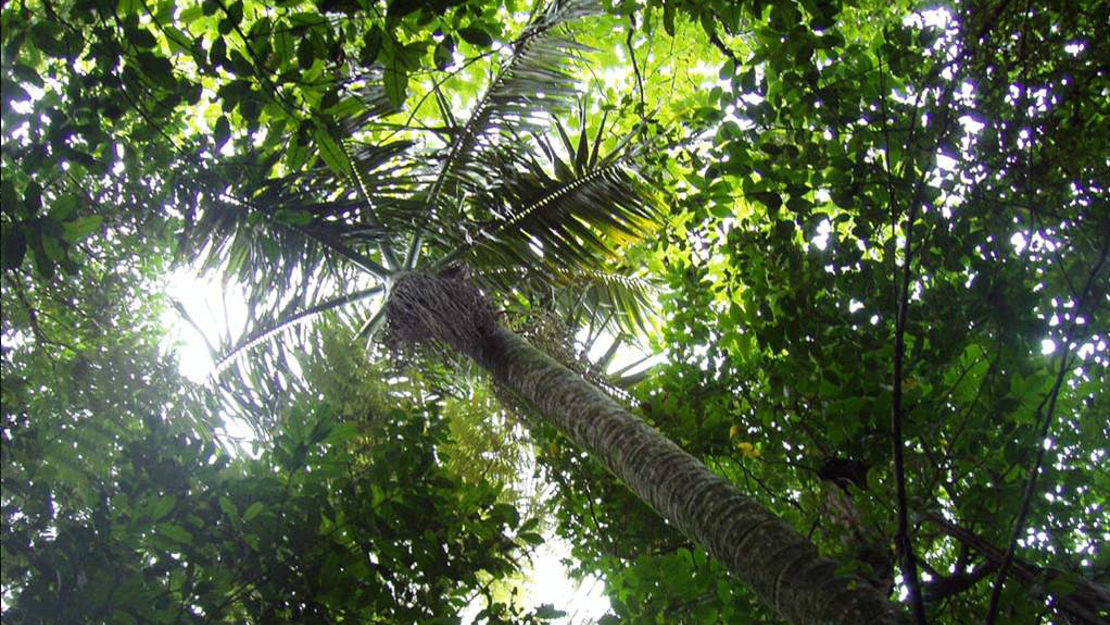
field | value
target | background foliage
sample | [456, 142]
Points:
[842, 185]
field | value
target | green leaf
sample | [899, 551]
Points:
[175, 533]
[293, 216]
[81, 228]
[222, 131]
[409, 56]
[253, 510]
[157, 68]
[531, 538]
[507, 512]
[12, 92]
[32, 198]
[332, 152]
[43, 265]
[142, 38]
[235, 12]
[396, 84]
[162, 507]
[15, 247]
[179, 42]
[64, 208]
[27, 74]
[306, 54]
[476, 36]
[444, 53]
[1063, 585]
[9, 197]
[372, 45]
[283, 45]
[320, 431]
[229, 508]
[53, 247]
[548, 612]
[49, 38]
[342, 433]
[401, 8]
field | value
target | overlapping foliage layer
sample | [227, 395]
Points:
[830, 188]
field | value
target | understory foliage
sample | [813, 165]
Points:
[120, 506]
[867, 243]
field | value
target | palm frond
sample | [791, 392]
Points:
[577, 223]
[530, 87]
[364, 104]
[270, 330]
[225, 236]
[587, 297]
[565, 206]
[630, 298]
[380, 175]
[370, 328]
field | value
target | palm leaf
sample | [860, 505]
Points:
[270, 330]
[225, 237]
[569, 211]
[573, 223]
[593, 297]
[531, 86]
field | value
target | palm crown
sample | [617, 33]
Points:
[529, 209]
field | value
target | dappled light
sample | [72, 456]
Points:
[557, 312]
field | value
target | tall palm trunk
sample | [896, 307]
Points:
[768, 555]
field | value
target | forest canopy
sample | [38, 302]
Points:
[772, 311]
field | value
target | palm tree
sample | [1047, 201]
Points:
[499, 209]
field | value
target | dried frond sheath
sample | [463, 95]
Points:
[445, 308]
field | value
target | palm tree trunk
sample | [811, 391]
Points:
[767, 554]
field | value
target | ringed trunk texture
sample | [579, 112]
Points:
[774, 560]
[767, 554]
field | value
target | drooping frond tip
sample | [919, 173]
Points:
[271, 330]
[533, 83]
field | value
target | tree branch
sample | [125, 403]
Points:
[1046, 423]
[1084, 602]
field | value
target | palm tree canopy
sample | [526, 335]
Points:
[507, 192]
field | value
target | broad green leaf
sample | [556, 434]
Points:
[81, 228]
[53, 247]
[476, 36]
[15, 246]
[142, 38]
[222, 131]
[531, 538]
[49, 38]
[175, 532]
[444, 53]
[229, 507]
[253, 510]
[401, 8]
[32, 198]
[342, 433]
[332, 152]
[162, 507]
[306, 54]
[396, 82]
[507, 512]
[43, 264]
[372, 45]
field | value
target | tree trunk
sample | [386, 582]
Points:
[768, 555]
